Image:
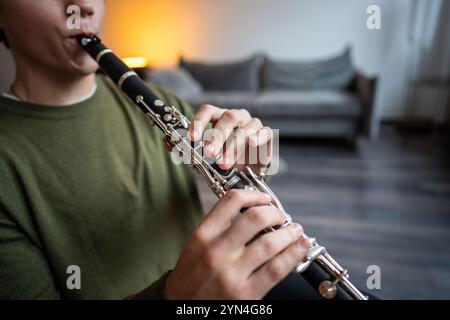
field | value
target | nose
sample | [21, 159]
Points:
[87, 7]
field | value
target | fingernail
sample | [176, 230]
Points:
[268, 197]
[298, 229]
[210, 150]
[228, 161]
[253, 142]
[300, 243]
[195, 135]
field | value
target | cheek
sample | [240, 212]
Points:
[34, 28]
[99, 14]
[31, 44]
[39, 35]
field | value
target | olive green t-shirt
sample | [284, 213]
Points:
[89, 187]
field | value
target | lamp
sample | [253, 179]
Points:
[138, 64]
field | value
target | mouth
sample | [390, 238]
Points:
[75, 37]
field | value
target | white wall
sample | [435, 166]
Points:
[307, 29]
[294, 29]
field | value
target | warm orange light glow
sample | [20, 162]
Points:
[159, 30]
[136, 62]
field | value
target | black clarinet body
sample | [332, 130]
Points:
[319, 269]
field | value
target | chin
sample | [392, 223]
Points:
[85, 66]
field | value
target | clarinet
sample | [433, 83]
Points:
[319, 269]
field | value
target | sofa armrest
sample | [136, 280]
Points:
[366, 89]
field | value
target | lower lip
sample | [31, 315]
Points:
[73, 40]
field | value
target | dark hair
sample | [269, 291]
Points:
[3, 38]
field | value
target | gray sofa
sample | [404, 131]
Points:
[324, 98]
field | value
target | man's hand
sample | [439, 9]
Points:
[220, 260]
[237, 138]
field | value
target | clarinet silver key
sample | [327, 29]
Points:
[327, 277]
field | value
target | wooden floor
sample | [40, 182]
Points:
[386, 204]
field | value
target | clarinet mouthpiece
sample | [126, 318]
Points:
[85, 40]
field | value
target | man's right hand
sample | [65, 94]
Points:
[220, 260]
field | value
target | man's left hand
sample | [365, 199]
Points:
[237, 139]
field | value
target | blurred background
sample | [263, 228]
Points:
[360, 92]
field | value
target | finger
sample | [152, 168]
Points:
[263, 141]
[250, 223]
[224, 127]
[167, 144]
[262, 137]
[279, 267]
[226, 209]
[236, 149]
[206, 113]
[269, 245]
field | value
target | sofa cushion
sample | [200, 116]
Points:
[230, 99]
[234, 76]
[314, 103]
[176, 80]
[335, 73]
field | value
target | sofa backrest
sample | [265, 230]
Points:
[176, 80]
[233, 76]
[334, 73]
[264, 73]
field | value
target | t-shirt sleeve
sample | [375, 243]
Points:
[24, 270]
[154, 292]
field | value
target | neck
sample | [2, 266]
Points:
[42, 87]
